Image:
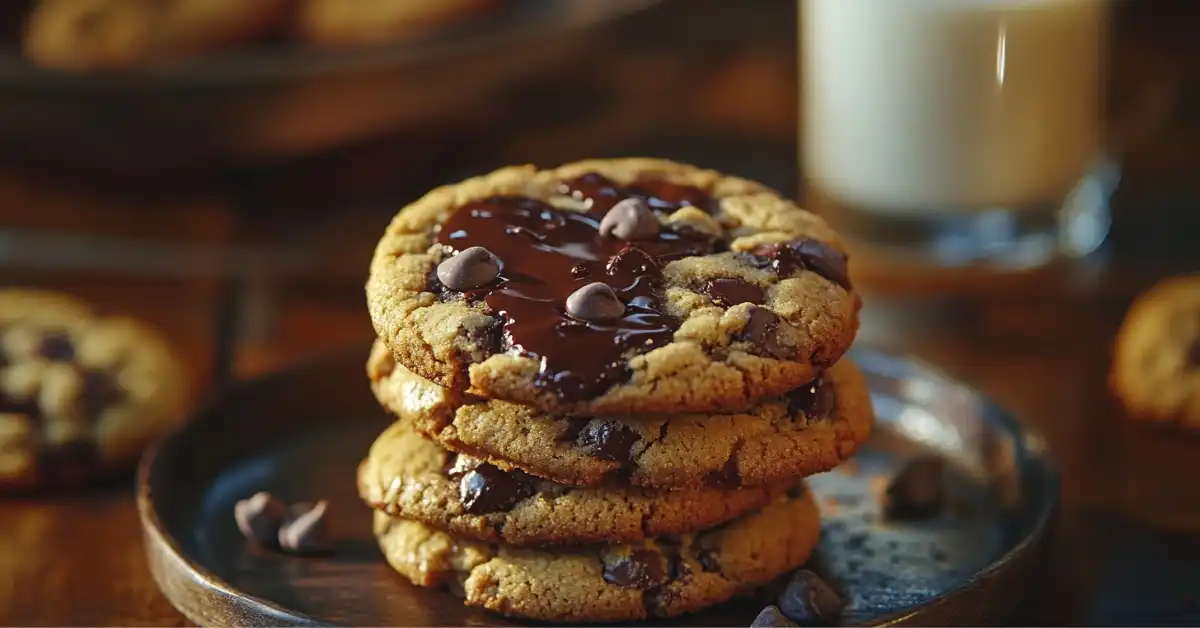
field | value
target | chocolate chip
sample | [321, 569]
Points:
[595, 302]
[709, 561]
[762, 330]
[608, 440]
[815, 399]
[259, 518]
[727, 477]
[814, 255]
[488, 489]
[305, 529]
[810, 601]
[1193, 355]
[471, 268]
[57, 346]
[575, 426]
[630, 219]
[916, 491]
[28, 407]
[629, 568]
[771, 617]
[100, 392]
[731, 292]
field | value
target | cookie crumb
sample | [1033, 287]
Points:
[916, 492]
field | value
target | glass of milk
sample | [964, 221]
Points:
[963, 131]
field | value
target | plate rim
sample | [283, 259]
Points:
[1036, 455]
[162, 548]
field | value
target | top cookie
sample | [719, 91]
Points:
[612, 286]
[1156, 363]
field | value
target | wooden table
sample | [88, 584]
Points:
[250, 272]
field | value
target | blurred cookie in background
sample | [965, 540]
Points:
[81, 395]
[1156, 361]
[338, 22]
[98, 34]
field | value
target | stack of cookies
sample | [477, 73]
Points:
[611, 379]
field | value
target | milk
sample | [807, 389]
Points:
[919, 107]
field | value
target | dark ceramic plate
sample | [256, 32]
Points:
[301, 433]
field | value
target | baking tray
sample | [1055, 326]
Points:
[263, 105]
[301, 433]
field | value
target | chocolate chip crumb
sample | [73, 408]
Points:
[259, 518]
[595, 302]
[472, 268]
[487, 488]
[608, 440]
[772, 617]
[305, 529]
[916, 491]
[810, 601]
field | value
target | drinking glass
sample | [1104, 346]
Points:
[960, 132]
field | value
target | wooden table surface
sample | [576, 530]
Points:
[249, 272]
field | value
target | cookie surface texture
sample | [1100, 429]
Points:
[812, 429]
[407, 475]
[660, 578]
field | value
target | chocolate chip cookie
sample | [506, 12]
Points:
[660, 578]
[91, 34]
[80, 395]
[810, 429]
[407, 475]
[1156, 362]
[337, 22]
[613, 287]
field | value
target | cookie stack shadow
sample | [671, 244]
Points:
[593, 510]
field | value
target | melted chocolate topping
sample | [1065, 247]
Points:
[661, 195]
[547, 253]
[731, 292]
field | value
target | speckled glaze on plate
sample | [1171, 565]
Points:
[301, 433]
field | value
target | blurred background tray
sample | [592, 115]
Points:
[283, 101]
